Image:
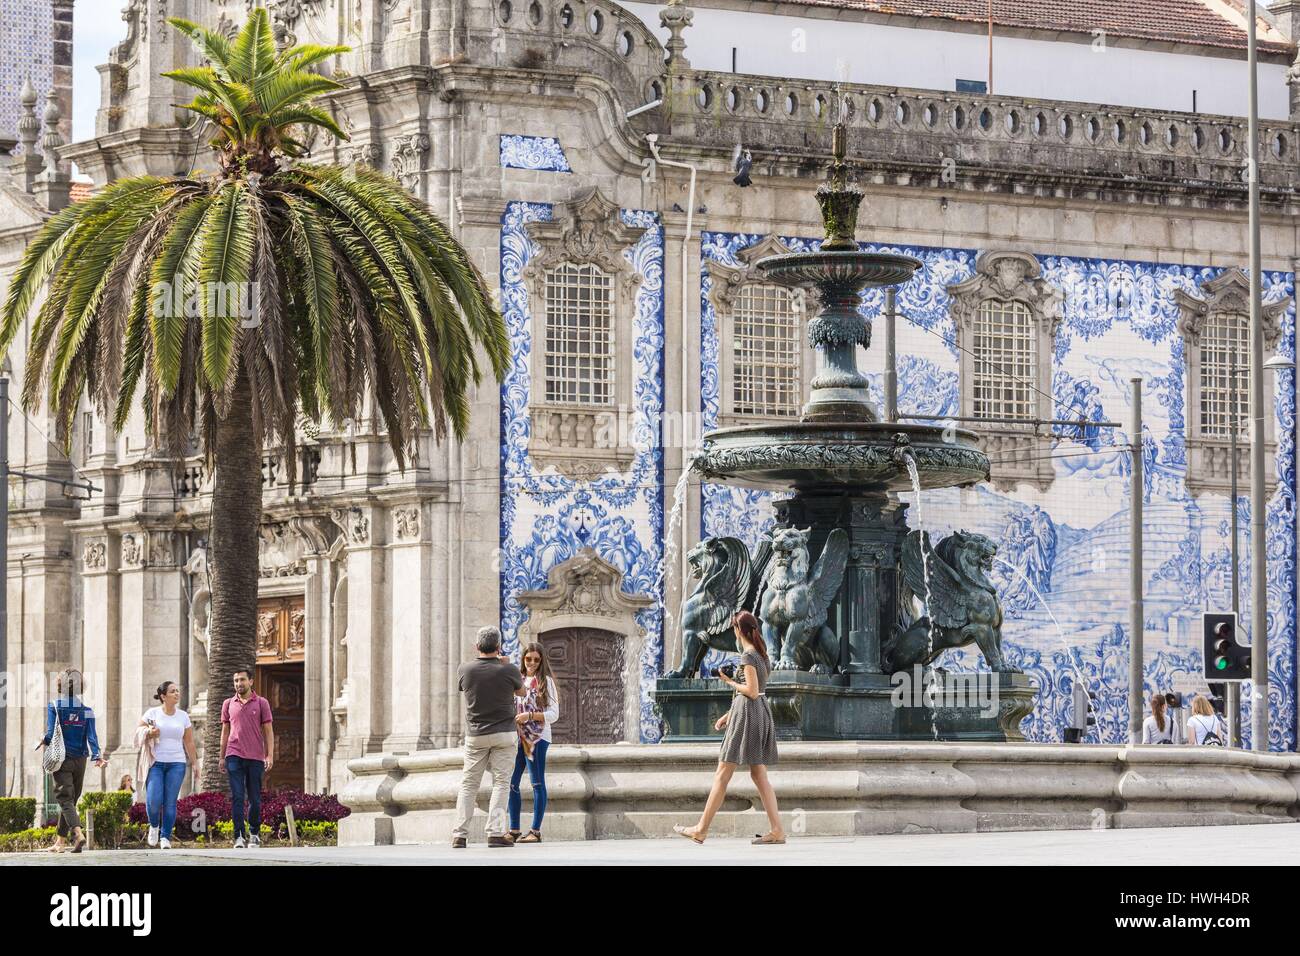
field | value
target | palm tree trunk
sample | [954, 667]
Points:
[236, 512]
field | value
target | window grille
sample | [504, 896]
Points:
[579, 335]
[1225, 342]
[1005, 360]
[766, 353]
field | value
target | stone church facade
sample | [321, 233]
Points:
[588, 167]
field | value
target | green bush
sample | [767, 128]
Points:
[16, 813]
[111, 808]
[23, 841]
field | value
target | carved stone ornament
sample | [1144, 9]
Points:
[355, 525]
[406, 523]
[588, 230]
[1014, 276]
[281, 552]
[95, 555]
[408, 159]
[132, 550]
[1229, 292]
[728, 280]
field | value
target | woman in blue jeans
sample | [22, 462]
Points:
[169, 737]
[538, 709]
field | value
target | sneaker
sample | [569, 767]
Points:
[239, 843]
[254, 841]
[458, 843]
[153, 836]
[165, 844]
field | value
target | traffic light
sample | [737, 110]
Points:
[1082, 715]
[1226, 659]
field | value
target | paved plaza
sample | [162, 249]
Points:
[1277, 844]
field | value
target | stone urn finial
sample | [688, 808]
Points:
[675, 18]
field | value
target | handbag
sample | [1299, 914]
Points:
[55, 753]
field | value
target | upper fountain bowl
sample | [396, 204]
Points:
[839, 267]
[863, 457]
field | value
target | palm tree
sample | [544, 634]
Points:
[358, 289]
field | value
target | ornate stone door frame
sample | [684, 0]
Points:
[584, 592]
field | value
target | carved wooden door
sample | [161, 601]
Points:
[588, 669]
[282, 686]
[281, 648]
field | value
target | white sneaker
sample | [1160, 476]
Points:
[153, 836]
[239, 843]
[254, 841]
[165, 844]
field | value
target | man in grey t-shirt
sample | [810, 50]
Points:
[490, 684]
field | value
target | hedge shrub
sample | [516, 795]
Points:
[111, 808]
[27, 840]
[200, 810]
[16, 813]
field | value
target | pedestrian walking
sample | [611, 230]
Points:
[750, 734]
[1160, 727]
[168, 748]
[490, 683]
[538, 710]
[1205, 728]
[70, 727]
[247, 755]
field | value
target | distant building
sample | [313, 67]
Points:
[35, 44]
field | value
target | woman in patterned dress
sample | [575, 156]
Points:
[750, 737]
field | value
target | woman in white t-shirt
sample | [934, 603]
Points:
[1159, 727]
[167, 734]
[1205, 728]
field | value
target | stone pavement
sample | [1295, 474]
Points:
[1265, 844]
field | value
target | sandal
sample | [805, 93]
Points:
[681, 831]
[513, 835]
[78, 846]
[765, 838]
[534, 836]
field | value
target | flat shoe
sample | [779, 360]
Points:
[765, 839]
[681, 831]
[532, 837]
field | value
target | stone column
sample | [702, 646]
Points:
[368, 660]
[409, 631]
[102, 643]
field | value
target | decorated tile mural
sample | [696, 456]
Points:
[545, 517]
[541, 153]
[1065, 582]
[26, 52]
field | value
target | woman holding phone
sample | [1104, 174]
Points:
[750, 734]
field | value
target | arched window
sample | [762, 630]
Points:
[766, 357]
[1005, 317]
[579, 335]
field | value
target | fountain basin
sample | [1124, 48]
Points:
[839, 267]
[862, 457]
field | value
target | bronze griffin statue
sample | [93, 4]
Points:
[777, 586]
[963, 604]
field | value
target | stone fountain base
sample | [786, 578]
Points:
[981, 707]
[843, 789]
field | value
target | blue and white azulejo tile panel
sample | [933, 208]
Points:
[545, 517]
[541, 153]
[1065, 584]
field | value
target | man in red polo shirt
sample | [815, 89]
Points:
[247, 752]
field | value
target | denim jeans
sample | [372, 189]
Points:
[245, 784]
[537, 775]
[161, 788]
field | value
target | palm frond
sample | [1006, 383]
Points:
[213, 47]
[224, 274]
[253, 51]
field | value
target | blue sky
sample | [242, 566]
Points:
[97, 26]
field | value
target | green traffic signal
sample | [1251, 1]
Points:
[1221, 663]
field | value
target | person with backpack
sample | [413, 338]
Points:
[69, 739]
[1159, 727]
[1205, 728]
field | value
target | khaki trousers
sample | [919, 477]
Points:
[494, 753]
